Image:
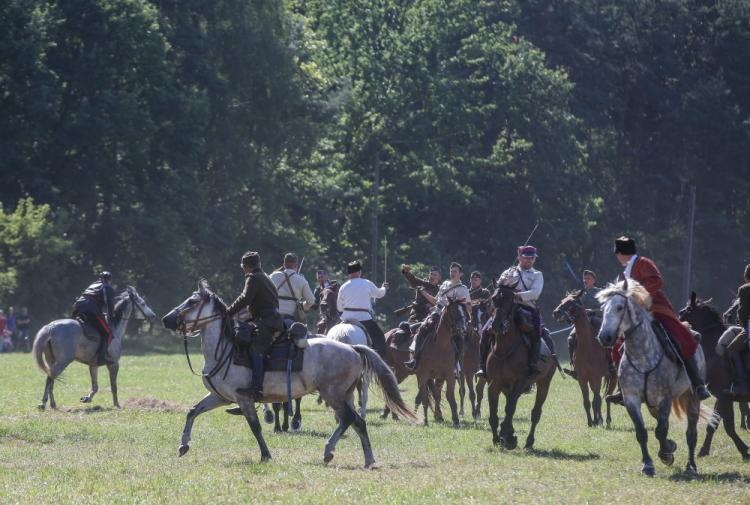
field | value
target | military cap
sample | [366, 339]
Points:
[476, 273]
[251, 259]
[527, 251]
[435, 268]
[457, 265]
[625, 245]
[589, 272]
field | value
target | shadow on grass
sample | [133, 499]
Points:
[561, 454]
[92, 409]
[723, 477]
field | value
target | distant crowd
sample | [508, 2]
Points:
[15, 330]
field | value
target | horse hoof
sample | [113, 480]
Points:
[85, 399]
[327, 458]
[394, 416]
[41, 406]
[511, 443]
[184, 449]
[268, 417]
[671, 446]
[296, 425]
[528, 447]
[438, 419]
[648, 470]
[691, 470]
[667, 458]
[384, 415]
[265, 458]
[373, 465]
[456, 424]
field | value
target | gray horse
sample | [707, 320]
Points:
[645, 376]
[352, 334]
[330, 367]
[62, 341]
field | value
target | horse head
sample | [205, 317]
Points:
[142, 310]
[504, 300]
[452, 317]
[199, 308]
[570, 307]
[623, 305]
[730, 315]
[701, 316]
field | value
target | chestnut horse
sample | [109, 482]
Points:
[592, 369]
[507, 369]
[469, 366]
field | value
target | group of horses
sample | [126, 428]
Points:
[341, 362]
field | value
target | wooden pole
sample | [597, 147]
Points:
[688, 265]
[375, 241]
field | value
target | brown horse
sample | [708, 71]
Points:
[707, 321]
[469, 366]
[437, 363]
[395, 356]
[592, 369]
[507, 369]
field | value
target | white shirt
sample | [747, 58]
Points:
[629, 266]
[357, 293]
[448, 292]
[300, 290]
[529, 283]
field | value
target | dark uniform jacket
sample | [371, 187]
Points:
[589, 301]
[98, 298]
[422, 306]
[261, 298]
[480, 301]
[743, 308]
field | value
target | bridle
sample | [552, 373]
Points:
[629, 313]
[182, 325]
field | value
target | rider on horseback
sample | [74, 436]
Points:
[451, 290]
[593, 311]
[261, 298]
[421, 306]
[644, 271]
[96, 307]
[295, 295]
[735, 341]
[355, 303]
[326, 295]
[480, 300]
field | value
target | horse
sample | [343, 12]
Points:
[507, 370]
[62, 341]
[353, 334]
[469, 367]
[645, 376]
[706, 320]
[330, 367]
[395, 356]
[591, 366]
[437, 363]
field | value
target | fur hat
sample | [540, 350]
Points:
[251, 259]
[625, 245]
[353, 266]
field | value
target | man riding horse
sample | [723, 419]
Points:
[451, 290]
[262, 299]
[295, 296]
[421, 306]
[735, 342]
[326, 295]
[644, 270]
[527, 283]
[594, 313]
[355, 304]
[480, 300]
[96, 307]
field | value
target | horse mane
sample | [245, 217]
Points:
[635, 291]
[220, 303]
[119, 307]
[715, 315]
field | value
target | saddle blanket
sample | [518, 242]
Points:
[276, 358]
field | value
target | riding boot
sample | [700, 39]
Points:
[101, 351]
[484, 349]
[691, 367]
[740, 389]
[458, 348]
[616, 398]
[255, 391]
[536, 344]
[412, 363]
[571, 352]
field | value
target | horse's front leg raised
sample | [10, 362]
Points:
[634, 411]
[209, 402]
[94, 372]
[710, 430]
[667, 447]
[248, 409]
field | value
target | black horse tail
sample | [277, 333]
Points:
[376, 369]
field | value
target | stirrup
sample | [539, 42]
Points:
[702, 392]
[616, 398]
[571, 373]
[235, 411]
[480, 374]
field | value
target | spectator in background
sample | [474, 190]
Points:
[5, 343]
[11, 324]
[23, 330]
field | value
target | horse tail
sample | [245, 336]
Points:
[41, 340]
[706, 415]
[376, 369]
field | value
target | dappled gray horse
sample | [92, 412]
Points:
[352, 334]
[330, 367]
[62, 341]
[645, 376]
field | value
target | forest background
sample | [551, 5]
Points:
[162, 139]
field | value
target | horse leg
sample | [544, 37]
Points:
[251, 416]
[711, 429]
[94, 373]
[726, 410]
[611, 381]
[461, 392]
[586, 402]
[345, 414]
[595, 386]
[113, 369]
[437, 390]
[666, 447]
[297, 419]
[277, 423]
[360, 426]
[285, 424]
[209, 402]
[745, 415]
[450, 394]
[55, 368]
[691, 435]
[48, 385]
[634, 411]
[480, 396]
[542, 388]
[365, 386]
[493, 398]
[423, 388]
[507, 432]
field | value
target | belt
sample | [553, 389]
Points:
[357, 310]
[288, 298]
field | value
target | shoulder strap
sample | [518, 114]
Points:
[520, 277]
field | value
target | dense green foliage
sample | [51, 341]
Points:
[162, 139]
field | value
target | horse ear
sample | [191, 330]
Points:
[693, 298]
[625, 284]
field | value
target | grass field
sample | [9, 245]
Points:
[98, 454]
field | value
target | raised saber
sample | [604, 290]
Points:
[385, 259]
[532, 233]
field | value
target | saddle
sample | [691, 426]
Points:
[287, 347]
[670, 348]
[89, 331]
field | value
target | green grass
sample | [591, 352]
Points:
[97, 454]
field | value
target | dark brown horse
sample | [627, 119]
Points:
[707, 321]
[469, 366]
[396, 354]
[507, 369]
[591, 366]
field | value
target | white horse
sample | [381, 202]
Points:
[646, 377]
[332, 368]
[62, 341]
[352, 334]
